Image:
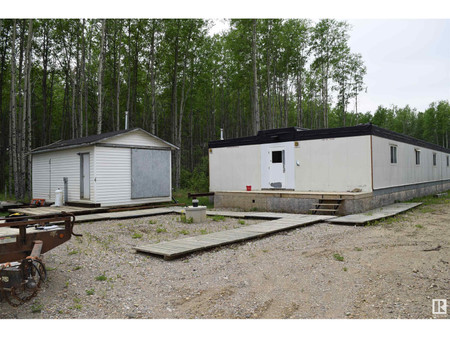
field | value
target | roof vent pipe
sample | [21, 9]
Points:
[221, 133]
[126, 120]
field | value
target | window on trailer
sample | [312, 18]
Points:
[434, 159]
[393, 154]
[417, 151]
[277, 156]
[448, 160]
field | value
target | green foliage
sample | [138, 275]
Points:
[182, 84]
[196, 180]
[160, 229]
[136, 235]
[101, 278]
[90, 292]
[184, 219]
[218, 218]
[338, 257]
[36, 307]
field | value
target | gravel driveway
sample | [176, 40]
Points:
[390, 270]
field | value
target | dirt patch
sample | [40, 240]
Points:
[390, 270]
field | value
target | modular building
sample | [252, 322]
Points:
[123, 167]
[290, 169]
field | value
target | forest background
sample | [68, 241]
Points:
[70, 78]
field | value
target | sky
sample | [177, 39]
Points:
[407, 60]
[405, 44]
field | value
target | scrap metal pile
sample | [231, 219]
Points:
[22, 243]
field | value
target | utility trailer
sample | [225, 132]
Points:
[22, 243]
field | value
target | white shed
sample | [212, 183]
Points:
[117, 168]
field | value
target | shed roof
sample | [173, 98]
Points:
[91, 140]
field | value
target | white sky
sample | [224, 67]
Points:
[405, 44]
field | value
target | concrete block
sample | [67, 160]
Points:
[198, 214]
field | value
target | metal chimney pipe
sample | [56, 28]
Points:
[221, 133]
[126, 120]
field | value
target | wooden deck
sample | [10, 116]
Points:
[375, 214]
[50, 211]
[181, 247]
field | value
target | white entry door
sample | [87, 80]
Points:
[277, 168]
[84, 176]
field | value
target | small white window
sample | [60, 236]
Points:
[393, 154]
[434, 159]
[417, 151]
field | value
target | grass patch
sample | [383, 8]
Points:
[137, 235]
[101, 278]
[358, 249]
[151, 221]
[36, 307]
[419, 226]
[73, 252]
[218, 218]
[241, 222]
[184, 219]
[203, 231]
[432, 199]
[90, 292]
[160, 230]
[338, 257]
[183, 232]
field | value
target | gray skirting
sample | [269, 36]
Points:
[391, 190]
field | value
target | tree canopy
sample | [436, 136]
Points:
[69, 78]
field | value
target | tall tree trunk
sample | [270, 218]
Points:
[13, 116]
[83, 76]
[152, 79]
[29, 136]
[100, 79]
[256, 117]
[118, 80]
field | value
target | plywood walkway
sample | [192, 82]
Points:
[182, 247]
[50, 211]
[375, 214]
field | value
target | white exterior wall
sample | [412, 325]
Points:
[405, 171]
[113, 178]
[136, 138]
[333, 165]
[233, 168]
[46, 178]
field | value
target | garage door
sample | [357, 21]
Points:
[150, 173]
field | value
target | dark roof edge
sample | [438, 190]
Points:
[272, 136]
[93, 140]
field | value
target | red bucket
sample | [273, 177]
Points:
[249, 187]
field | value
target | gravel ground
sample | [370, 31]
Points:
[319, 271]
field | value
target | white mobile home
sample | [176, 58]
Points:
[361, 162]
[118, 168]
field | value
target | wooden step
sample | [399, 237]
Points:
[325, 210]
[329, 204]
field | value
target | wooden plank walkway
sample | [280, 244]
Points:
[375, 214]
[181, 247]
[50, 211]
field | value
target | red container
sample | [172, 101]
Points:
[249, 187]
